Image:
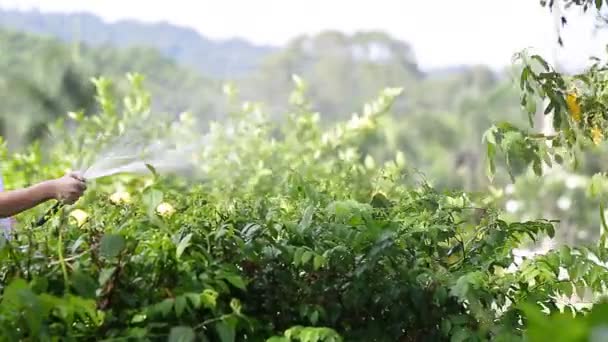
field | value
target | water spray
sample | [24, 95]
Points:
[158, 157]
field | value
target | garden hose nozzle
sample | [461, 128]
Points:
[49, 213]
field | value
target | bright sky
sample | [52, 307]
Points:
[442, 32]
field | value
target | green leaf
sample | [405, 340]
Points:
[209, 298]
[557, 119]
[180, 305]
[138, 318]
[225, 331]
[183, 244]
[105, 275]
[566, 255]
[182, 334]
[195, 299]
[461, 335]
[537, 166]
[314, 317]
[604, 232]
[318, 262]
[306, 257]
[278, 339]
[307, 218]
[524, 77]
[580, 292]
[598, 4]
[446, 326]
[236, 305]
[152, 198]
[84, 285]
[558, 159]
[550, 230]
[531, 108]
[549, 108]
[490, 163]
[165, 306]
[236, 281]
[152, 170]
[78, 243]
[297, 256]
[540, 60]
[111, 245]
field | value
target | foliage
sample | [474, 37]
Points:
[568, 327]
[280, 232]
[572, 110]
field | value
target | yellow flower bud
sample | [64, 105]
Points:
[120, 197]
[80, 216]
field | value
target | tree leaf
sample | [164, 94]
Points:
[165, 306]
[183, 244]
[111, 245]
[152, 170]
[490, 163]
[297, 256]
[225, 331]
[537, 166]
[84, 285]
[180, 305]
[105, 275]
[540, 60]
[524, 77]
[278, 339]
[604, 231]
[236, 305]
[307, 218]
[78, 242]
[181, 334]
[152, 198]
[139, 318]
[318, 262]
[195, 299]
[531, 109]
[306, 257]
[236, 281]
[209, 298]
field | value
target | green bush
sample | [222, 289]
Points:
[275, 233]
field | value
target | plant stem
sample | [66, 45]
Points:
[212, 320]
[62, 262]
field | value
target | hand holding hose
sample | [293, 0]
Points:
[69, 188]
[66, 190]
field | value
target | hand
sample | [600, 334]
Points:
[69, 188]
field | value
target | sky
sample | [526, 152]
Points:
[442, 32]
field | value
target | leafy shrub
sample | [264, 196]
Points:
[279, 232]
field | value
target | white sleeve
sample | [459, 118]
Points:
[6, 223]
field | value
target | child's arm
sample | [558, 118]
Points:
[67, 189]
